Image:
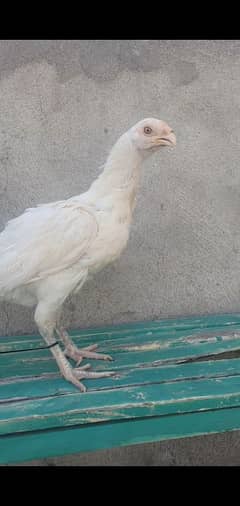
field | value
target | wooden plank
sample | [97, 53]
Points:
[154, 383]
[171, 327]
[127, 403]
[38, 387]
[155, 346]
[17, 447]
[34, 363]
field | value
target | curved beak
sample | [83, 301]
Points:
[169, 140]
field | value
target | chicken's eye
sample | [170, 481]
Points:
[147, 130]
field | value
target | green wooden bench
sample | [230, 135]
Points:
[176, 378]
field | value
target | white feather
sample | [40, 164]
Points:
[50, 249]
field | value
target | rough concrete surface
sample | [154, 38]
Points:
[62, 106]
[217, 450]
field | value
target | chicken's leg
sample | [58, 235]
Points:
[77, 354]
[46, 322]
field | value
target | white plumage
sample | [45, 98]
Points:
[50, 251]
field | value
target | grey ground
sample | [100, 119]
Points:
[62, 105]
[217, 450]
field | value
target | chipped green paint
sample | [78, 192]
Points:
[161, 389]
[91, 437]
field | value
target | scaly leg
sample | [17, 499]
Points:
[46, 323]
[77, 354]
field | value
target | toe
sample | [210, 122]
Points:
[91, 347]
[108, 357]
[75, 381]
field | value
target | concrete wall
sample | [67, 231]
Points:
[62, 106]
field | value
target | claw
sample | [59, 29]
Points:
[73, 378]
[80, 374]
[78, 354]
[91, 347]
[74, 375]
[71, 351]
[85, 367]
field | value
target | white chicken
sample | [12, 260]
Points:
[50, 251]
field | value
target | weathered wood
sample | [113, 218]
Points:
[91, 437]
[168, 373]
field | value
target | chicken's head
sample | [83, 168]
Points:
[151, 133]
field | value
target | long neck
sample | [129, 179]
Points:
[120, 171]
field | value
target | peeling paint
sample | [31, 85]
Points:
[147, 346]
